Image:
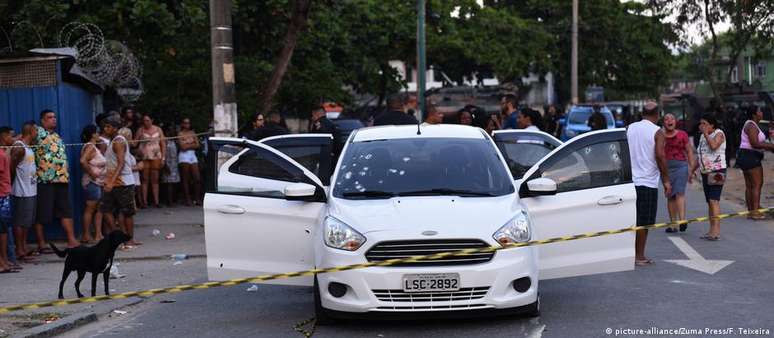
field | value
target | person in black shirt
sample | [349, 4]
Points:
[395, 114]
[273, 127]
[597, 121]
[319, 123]
[257, 127]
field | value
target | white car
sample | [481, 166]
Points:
[394, 193]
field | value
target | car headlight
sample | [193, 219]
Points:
[338, 235]
[515, 231]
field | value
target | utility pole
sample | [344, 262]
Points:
[421, 66]
[223, 85]
[574, 62]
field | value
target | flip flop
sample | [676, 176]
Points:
[46, 251]
[643, 262]
[710, 237]
[26, 259]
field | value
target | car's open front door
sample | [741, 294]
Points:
[593, 192]
[259, 212]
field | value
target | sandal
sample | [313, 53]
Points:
[643, 262]
[45, 251]
[26, 259]
[710, 237]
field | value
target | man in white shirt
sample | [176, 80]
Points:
[646, 149]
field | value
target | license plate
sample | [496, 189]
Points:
[430, 282]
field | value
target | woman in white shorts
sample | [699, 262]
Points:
[188, 142]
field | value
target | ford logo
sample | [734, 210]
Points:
[429, 233]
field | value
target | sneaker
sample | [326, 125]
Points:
[683, 227]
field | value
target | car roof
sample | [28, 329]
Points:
[410, 131]
[584, 108]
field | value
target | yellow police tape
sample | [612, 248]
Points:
[179, 288]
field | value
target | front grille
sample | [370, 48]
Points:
[411, 308]
[427, 301]
[397, 295]
[402, 249]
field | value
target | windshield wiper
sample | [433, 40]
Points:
[369, 193]
[445, 191]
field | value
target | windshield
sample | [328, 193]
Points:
[582, 116]
[422, 167]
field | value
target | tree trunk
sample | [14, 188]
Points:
[713, 54]
[298, 21]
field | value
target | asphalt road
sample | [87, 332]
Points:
[663, 296]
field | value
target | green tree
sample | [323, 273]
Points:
[752, 26]
[621, 47]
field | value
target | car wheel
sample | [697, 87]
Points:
[533, 310]
[321, 315]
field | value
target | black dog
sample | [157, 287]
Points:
[96, 259]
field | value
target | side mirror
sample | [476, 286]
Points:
[299, 191]
[542, 187]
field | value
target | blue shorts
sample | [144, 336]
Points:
[5, 213]
[93, 192]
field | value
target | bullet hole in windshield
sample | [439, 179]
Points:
[368, 156]
[348, 175]
[406, 159]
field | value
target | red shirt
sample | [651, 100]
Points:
[5, 174]
[675, 146]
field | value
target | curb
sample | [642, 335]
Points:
[72, 322]
[58, 327]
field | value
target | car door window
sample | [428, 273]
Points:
[520, 155]
[253, 170]
[307, 156]
[591, 166]
[313, 152]
[521, 149]
[254, 165]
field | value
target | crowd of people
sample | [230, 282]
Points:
[666, 154]
[124, 163]
[401, 109]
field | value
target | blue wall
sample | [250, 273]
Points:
[75, 109]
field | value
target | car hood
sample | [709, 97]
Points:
[449, 216]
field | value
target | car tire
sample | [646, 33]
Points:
[321, 315]
[533, 310]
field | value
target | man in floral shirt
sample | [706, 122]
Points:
[53, 181]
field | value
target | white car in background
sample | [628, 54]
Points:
[282, 205]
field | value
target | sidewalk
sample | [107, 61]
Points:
[146, 266]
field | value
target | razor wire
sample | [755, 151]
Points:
[109, 62]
